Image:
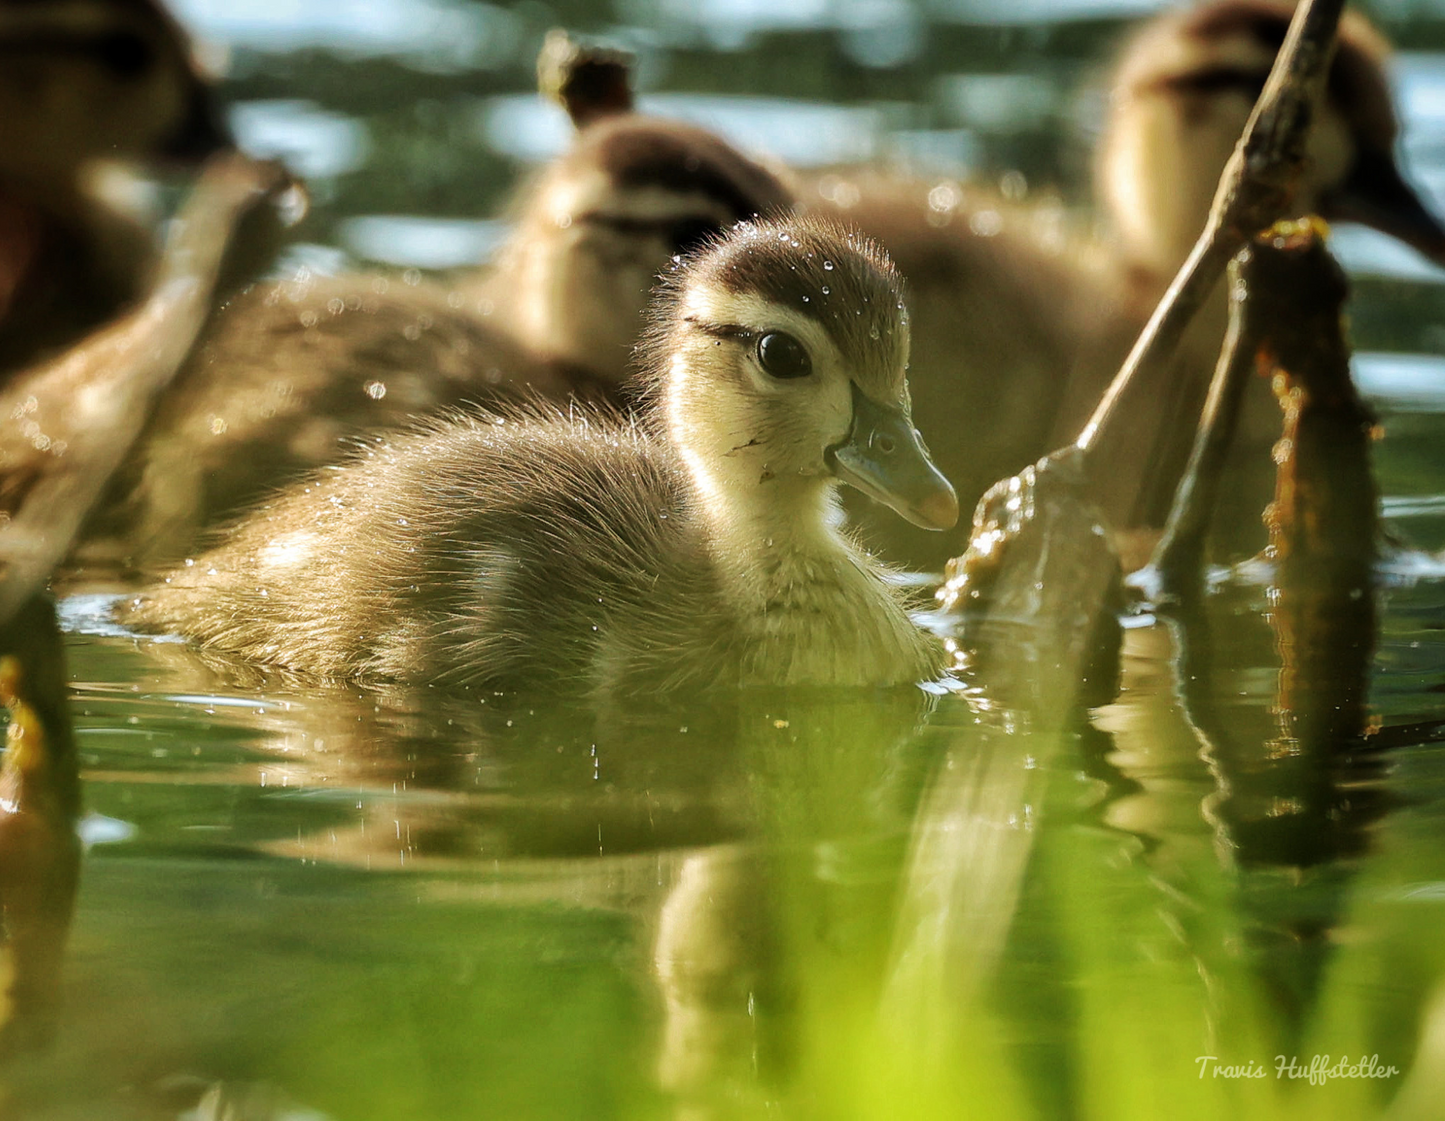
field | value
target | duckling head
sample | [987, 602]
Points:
[97, 79]
[605, 219]
[1180, 97]
[779, 354]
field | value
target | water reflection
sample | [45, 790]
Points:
[800, 133]
[430, 34]
[430, 243]
[365, 902]
[758, 839]
[315, 143]
[39, 806]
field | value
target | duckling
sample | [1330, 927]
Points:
[84, 84]
[1182, 92]
[698, 545]
[1022, 317]
[291, 370]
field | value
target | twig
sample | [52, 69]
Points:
[1176, 569]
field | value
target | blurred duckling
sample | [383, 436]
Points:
[1021, 319]
[292, 369]
[697, 546]
[86, 86]
[1182, 93]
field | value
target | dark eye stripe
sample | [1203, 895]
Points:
[721, 330]
[122, 52]
[1217, 79]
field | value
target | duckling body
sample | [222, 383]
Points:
[293, 369]
[1021, 317]
[697, 547]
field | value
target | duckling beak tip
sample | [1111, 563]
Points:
[1376, 194]
[883, 457]
[939, 510]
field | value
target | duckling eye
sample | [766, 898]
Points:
[783, 356]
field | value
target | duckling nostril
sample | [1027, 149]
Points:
[883, 444]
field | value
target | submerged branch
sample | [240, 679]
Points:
[1301, 791]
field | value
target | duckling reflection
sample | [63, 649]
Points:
[291, 370]
[767, 947]
[503, 829]
[1022, 318]
[83, 86]
[406, 777]
[582, 548]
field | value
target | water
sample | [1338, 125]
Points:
[354, 903]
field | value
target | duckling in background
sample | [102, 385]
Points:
[1020, 320]
[1183, 92]
[85, 86]
[697, 546]
[291, 370]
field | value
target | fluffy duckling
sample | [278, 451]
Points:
[1182, 93]
[1020, 320]
[290, 370]
[699, 546]
[84, 84]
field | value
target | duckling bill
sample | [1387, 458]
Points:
[699, 545]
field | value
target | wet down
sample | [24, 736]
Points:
[657, 571]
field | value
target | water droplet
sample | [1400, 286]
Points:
[376, 390]
[828, 292]
[828, 265]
